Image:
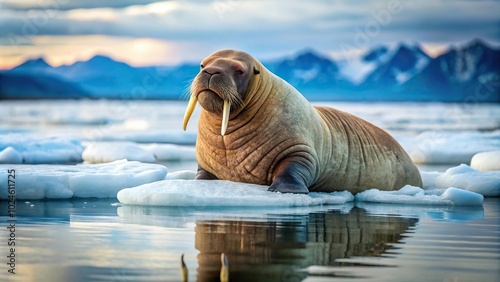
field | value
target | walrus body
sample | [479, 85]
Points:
[275, 137]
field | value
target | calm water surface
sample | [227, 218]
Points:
[98, 240]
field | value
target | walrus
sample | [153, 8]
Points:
[254, 127]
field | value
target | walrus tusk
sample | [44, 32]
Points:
[189, 110]
[225, 117]
[184, 270]
[224, 270]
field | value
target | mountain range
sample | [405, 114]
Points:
[402, 73]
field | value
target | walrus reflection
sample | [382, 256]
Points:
[274, 250]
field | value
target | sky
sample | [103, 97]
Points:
[152, 32]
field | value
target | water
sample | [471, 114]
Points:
[97, 240]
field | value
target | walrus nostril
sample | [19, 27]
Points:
[211, 71]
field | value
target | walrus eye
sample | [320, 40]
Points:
[202, 66]
[239, 72]
[256, 71]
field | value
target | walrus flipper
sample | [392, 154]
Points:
[287, 179]
[205, 175]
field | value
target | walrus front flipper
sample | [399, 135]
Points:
[205, 175]
[287, 179]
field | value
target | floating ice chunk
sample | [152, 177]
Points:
[429, 178]
[434, 147]
[66, 181]
[9, 155]
[104, 152]
[486, 183]
[182, 174]
[416, 196]
[40, 149]
[171, 152]
[149, 136]
[463, 197]
[486, 161]
[221, 193]
[449, 213]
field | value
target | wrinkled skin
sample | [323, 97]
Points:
[275, 137]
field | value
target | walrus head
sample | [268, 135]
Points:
[222, 84]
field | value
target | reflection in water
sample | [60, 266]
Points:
[95, 240]
[277, 250]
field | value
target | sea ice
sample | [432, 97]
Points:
[150, 136]
[104, 152]
[67, 181]
[486, 161]
[182, 174]
[171, 152]
[11, 156]
[447, 147]
[417, 196]
[486, 183]
[221, 193]
[179, 189]
[21, 148]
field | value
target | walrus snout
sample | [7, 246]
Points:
[211, 71]
[211, 101]
[221, 85]
[218, 88]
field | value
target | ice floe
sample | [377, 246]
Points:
[486, 161]
[171, 152]
[149, 184]
[486, 183]
[448, 147]
[67, 181]
[417, 196]
[150, 136]
[180, 190]
[102, 152]
[21, 148]
[221, 193]
[181, 174]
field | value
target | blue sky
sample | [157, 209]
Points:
[169, 32]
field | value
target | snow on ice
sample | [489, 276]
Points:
[433, 147]
[417, 196]
[102, 152]
[221, 193]
[486, 161]
[21, 148]
[149, 136]
[486, 183]
[67, 181]
[171, 152]
[181, 190]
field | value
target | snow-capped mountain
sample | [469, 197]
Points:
[471, 72]
[312, 73]
[403, 64]
[402, 72]
[356, 69]
[307, 67]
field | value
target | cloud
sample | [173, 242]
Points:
[69, 4]
[263, 28]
